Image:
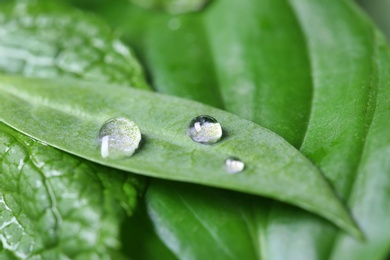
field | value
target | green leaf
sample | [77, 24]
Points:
[173, 6]
[236, 67]
[44, 40]
[190, 63]
[343, 110]
[225, 227]
[68, 114]
[62, 206]
[193, 68]
[370, 194]
[344, 77]
[47, 197]
[146, 245]
[6, 255]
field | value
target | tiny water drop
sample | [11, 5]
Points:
[234, 165]
[205, 130]
[118, 138]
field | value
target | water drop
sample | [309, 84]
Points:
[205, 130]
[234, 165]
[119, 138]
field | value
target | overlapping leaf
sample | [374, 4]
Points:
[344, 63]
[49, 40]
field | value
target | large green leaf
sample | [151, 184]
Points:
[341, 50]
[55, 205]
[343, 106]
[68, 114]
[224, 227]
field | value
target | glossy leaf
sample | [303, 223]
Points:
[6, 255]
[305, 236]
[44, 40]
[69, 114]
[224, 227]
[343, 105]
[192, 73]
[370, 194]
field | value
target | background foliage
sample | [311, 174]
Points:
[316, 73]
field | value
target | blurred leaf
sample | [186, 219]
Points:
[379, 12]
[173, 6]
[370, 195]
[73, 112]
[196, 222]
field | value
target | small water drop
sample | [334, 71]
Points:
[118, 138]
[234, 165]
[205, 130]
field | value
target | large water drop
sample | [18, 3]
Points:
[118, 138]
[205, 130]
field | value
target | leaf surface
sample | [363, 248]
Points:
[242, 62]
[68, 115]
[370, 193]
[146, 245]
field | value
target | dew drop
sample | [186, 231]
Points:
[205, 130]
[118, 138]
[234, 165]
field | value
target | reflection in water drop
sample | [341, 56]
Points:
[205, 130]
[234, 165]
[118, 138]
